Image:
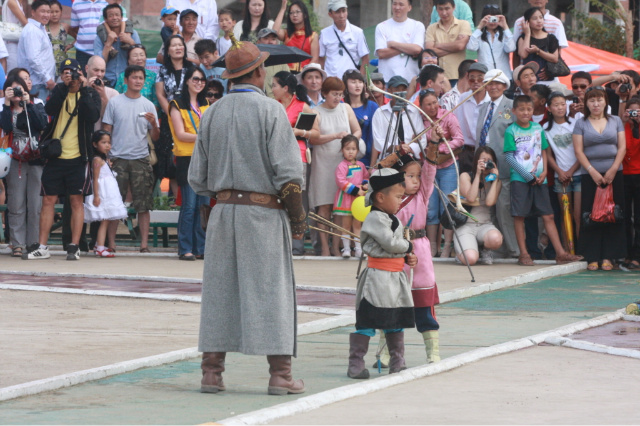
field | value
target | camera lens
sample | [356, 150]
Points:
[98, 82]
[18, 92]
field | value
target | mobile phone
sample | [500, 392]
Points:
[576, 100]
[142, 114]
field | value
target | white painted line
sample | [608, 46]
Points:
[326, 289]
[593, 347]
[106, 276]
[311, 402]
[78, 377]
[133, 295]
[65, 380]
[323, 310]
[516, 280]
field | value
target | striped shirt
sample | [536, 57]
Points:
[86, 15]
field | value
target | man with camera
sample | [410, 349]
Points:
[622, 86]
[95, 70]
[75, 108]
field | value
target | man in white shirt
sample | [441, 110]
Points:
[552, 25]
[207, 11]
[385, 120]
[398, 41]
[342, 45]
[468, 114]
[35, 52]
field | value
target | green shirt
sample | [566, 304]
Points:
[528, 144]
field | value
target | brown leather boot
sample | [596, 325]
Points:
[395, 342]
[212, 368]
[358, 347]
[281, 381]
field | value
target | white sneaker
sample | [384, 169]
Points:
[73, 252]
[346, 253]
[358, 253]
[486, 257]
[35, 252]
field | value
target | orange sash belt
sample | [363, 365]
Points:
[395, 264]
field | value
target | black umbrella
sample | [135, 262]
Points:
[279, 54]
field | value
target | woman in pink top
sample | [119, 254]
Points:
[446, 175]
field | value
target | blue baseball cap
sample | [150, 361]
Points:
[168, 11]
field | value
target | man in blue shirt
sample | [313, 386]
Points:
[115, 39]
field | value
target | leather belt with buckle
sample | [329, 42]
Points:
[248, 198]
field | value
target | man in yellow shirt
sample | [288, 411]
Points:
[75, 109]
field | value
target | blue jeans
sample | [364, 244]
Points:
[191, 236]
[371, 332]
[82, 58]
[40, 91]
[447, 180]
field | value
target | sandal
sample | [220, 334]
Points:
[633, 265]
[606, 265]
[16, 252]
[593, 266]
[525, 260]
[568, 258]
[145, 250]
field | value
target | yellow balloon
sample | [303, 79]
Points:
[358, 210]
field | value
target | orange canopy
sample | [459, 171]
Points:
[594, 61]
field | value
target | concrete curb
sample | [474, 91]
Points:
[593, 347]
[79, 377]
[318, 400]
[516, 280]
[635, 318]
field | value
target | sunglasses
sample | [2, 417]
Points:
[138, 46]
[213, 95]
[579, 86]
[199, 79]
[476, 80]
[101, 133]
[426, 91]
[595, 88]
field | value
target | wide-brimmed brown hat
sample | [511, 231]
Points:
[242, 58]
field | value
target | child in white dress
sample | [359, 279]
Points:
[105, 204]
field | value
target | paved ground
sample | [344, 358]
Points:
[47, 334]
[537, 385]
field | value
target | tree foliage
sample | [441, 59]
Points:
[601, 35]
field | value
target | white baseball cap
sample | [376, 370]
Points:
[499, 76]
[336, 4]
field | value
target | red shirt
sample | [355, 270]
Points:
[631, 161]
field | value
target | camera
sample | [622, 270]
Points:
[493, 19]
[18, 92]
[98, 82]
[489, 165]
[633, 112]
[75, 75]
[624, 87]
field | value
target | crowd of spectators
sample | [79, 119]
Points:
[588, 139]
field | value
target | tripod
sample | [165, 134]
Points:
[398, 109]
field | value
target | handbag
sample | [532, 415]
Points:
[52, 148]
[559, 69]
[458, 218]
[10, 31]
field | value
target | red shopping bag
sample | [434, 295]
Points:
[603, 205]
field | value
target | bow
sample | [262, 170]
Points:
[458, 206]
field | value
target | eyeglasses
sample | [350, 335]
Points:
[213, 95]
[579, 86]
[199, 79]
[475, 80]
[296, 12]
[595, 88]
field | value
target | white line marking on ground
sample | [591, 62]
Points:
[593, 347]
[342, 393]
[79, 377]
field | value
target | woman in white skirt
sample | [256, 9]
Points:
[336, 120]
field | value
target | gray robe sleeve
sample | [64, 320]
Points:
[198, 168]
[381, 240]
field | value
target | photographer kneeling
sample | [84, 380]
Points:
[480, 190]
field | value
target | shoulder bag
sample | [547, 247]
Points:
[346, 50]
[52, 148]
[10, 31]
[558, 69]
